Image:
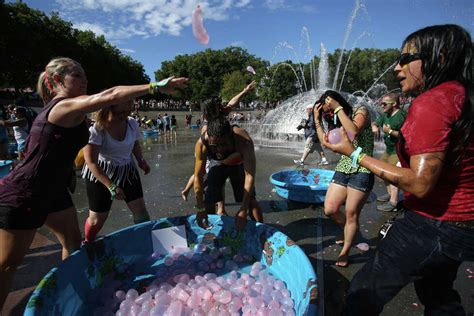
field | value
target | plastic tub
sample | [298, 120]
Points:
[5, 167]
[122, 258]
[302, 185]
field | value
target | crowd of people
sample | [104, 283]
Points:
[429, 156]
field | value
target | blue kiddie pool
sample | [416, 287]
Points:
[306, 185]
[5, 167]
[150, 132]
[123, 260]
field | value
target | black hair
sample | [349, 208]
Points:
[446, 53]
[211, 109]
[329, 117]
[218, 127]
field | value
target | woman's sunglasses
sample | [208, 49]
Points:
[407, 58]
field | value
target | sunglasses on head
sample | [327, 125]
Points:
[407, 58]
[387, 103]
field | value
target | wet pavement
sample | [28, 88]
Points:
[172, 164]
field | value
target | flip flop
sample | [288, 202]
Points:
[339, 240]
[342, 261]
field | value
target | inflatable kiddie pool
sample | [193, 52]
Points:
[306, 185]
[5, 167]
[121, 261]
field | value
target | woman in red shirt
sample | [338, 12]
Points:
[436, 150]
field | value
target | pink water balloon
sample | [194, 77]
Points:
[199, 30]
[251, 70]
[334, 136]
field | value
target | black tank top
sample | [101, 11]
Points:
[46, 169]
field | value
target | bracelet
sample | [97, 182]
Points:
[390, 131]
[355, 155]
[154, 88]
[359, 159]
[112, 189]
[337, 109]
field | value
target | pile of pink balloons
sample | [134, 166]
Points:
[246, 290]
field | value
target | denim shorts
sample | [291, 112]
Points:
[360, 181]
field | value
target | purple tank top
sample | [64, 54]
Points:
[47, 167]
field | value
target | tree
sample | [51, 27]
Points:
[234, 83]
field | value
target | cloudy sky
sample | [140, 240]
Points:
[152, 31]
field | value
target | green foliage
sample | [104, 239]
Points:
[279, 84]
[206, 70]
[29, 39]
[234, 83]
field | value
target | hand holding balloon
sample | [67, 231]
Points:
[334, 136]
[339, 141]
[198, 27]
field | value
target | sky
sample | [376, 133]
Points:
[153, 31]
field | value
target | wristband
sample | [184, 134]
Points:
[155, 86]
[335, 114]
[201, 210]
[359, 159]
[112, 189]
[337, 110]
[355, 155]
[390, 131]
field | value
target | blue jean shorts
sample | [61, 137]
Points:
[360, 181]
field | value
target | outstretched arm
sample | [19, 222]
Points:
[235, 100]
[19, 122]
[68, 111]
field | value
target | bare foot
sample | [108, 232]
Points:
[342, 261]
[184, 195]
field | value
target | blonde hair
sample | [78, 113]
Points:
[102, 116]
[46, 85]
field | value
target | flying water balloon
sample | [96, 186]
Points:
[251, 70]
[199, 31]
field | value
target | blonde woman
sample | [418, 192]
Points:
[110, 172]
[35, 192]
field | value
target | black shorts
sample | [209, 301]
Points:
[215, 182]
[100, 198]
[33, 215]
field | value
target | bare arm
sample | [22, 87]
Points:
[419, 179]
[69, 111]
[355, 124]
[19, 122]
[137, 152]
[246, 149]
[91, 155]
[199, 172]
[235, 100]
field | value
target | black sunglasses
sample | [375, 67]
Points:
[407, 58]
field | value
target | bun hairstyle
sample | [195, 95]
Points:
[329, 116]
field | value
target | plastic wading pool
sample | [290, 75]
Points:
[302, 185]
[121, 260]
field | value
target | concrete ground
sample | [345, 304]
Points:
[172, 164]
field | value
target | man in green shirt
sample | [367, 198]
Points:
[390, 122]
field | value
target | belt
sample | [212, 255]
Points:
[463, 224]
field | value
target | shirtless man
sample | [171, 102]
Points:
[234, 149]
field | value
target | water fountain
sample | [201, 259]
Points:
[278, 127]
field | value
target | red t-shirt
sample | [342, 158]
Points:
[426, 130]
